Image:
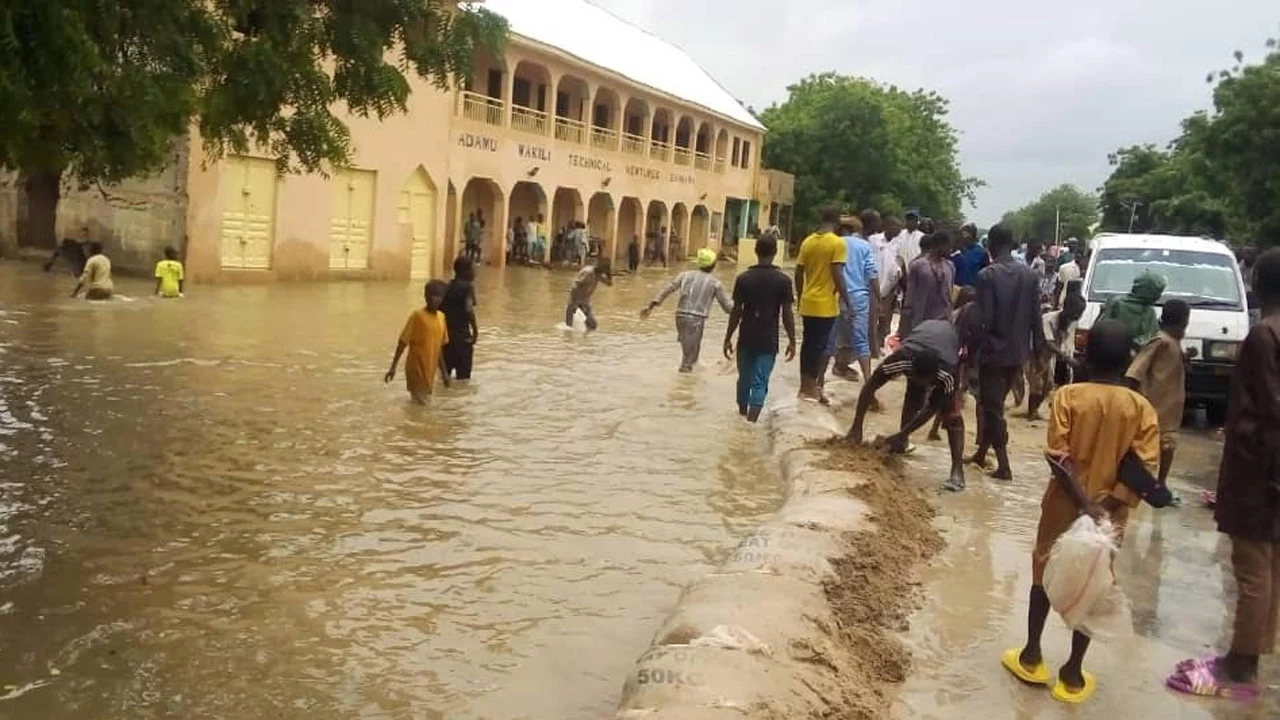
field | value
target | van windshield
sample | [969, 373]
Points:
[1203, 279]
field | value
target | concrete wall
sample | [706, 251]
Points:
[134, 219]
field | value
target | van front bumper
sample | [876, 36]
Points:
[1208, 382]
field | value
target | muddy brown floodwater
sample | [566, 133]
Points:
[1173, 566]
[214, 508]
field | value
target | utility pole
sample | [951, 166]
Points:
[1133, 214]
[1057, 225]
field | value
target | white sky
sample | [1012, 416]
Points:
[1039, 91]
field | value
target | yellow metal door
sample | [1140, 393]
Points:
[418, 210]
[248, 212]
[351, 230]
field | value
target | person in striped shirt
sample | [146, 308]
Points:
[930, 360]
[698, 289]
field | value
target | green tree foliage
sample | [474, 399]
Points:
[1076, 212]
[100, 89]
[1221, 177]
[857, 143]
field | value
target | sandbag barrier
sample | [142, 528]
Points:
[758, 638]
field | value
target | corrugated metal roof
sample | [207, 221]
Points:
[601, 38]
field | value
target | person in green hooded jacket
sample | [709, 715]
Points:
[1137, 309]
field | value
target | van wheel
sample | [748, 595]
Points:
[1217, 414]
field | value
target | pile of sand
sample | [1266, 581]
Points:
[876, 589]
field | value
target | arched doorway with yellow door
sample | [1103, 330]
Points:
[417, 217]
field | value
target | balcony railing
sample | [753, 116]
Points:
[604, 138]
[683, 156]
[574, 131]
[721, 163]
[528, 120]
[633, 144]
[659, 151]
[482, 108]
[702, 161]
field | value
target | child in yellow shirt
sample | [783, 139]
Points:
[425, 334]
[169, 275]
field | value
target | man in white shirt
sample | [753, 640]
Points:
[1068, 272]
[888, 252]
[909, 244]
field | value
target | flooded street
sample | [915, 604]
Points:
[215, 508]
[1174, 567]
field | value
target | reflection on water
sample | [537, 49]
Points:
[214, 508]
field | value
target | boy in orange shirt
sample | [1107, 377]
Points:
[1092, 427]
[425, 334]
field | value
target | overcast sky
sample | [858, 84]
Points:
[1040, 91]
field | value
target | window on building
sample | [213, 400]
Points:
[737, 150]
[635, 125]
[495, 83]
[521, 92]
[602, 116]
[562, 104]
[746, 153]
[542, 98]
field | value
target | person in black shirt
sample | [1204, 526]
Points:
[760, 295]
[459, 309]
[1011, 327]
[930, 358]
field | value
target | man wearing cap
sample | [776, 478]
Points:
[698, 288]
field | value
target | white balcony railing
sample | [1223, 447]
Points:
[633, 144]
[682, 156]
[482, 108]
[659, 151]
[702, 161]
[528, 120]
[604, 138]
[574, 131]
[721, 163]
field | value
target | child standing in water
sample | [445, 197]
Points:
[169, 275]
[459, 308]
[425, 334]
[760, 296]
[96, 278]
[697, 289]
[583, 287]
[1092, 427]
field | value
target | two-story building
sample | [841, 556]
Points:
[586, 118]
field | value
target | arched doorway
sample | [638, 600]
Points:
[635, 118]
[451, 248]
[699, 228]
[678, 245]
[573, 95]
[418, 221]
[660, 135]
[630, 228]
[529, 204]
[482, 200]
[722, 150]
[600, 224]
[566, 209]
[530, 91]
[655, 231]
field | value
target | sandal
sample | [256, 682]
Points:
[1199, 679]
[1011, 662]
[1062, 694]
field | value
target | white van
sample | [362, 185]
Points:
[1202, 272]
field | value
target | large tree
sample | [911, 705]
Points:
[98, 90]
[1220, 177]
[857, 143]
[1060, 213]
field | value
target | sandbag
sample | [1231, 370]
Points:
[1081, 583]
[687, 677]
[772, 609]
[785, 550]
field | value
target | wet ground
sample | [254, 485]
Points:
[214, 508]
[1174, 567]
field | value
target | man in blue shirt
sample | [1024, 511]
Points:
[971, 259]
[857, 309]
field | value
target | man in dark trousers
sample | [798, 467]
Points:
[1009, 316]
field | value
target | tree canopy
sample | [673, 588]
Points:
[1075, 212]
[1220, 177]
[856, 143]
[101, 89]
